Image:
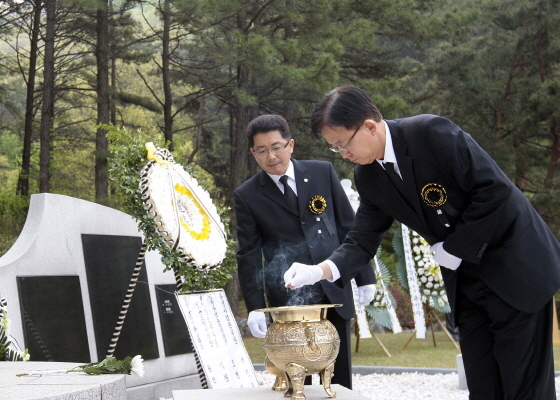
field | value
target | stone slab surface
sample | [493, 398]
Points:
[72, 386]
[312, 392]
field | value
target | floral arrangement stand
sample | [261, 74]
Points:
[357, 349]
[432, 319]
[175, 214]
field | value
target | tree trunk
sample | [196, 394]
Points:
[48, 99]
[199, 130]
[113, 91]
[103, 103]
[23, 180]
[168, 94]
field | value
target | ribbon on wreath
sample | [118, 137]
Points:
[415, 296]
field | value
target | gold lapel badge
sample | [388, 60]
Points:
[434, 195]
[318, 204]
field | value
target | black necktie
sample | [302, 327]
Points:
[397, 180]
[289, 193]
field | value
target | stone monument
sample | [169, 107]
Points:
[65, 280]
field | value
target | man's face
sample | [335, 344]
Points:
[274, 162]
[367, 145]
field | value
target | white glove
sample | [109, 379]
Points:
[366, 294]
[299, 275]
[257, 324]
[443, 258]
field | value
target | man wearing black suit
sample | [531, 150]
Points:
[501, 262]
[273, 232]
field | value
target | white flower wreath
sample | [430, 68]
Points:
[184, 214]
[429, 274]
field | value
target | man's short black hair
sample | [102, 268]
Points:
[347, 106]
[267, 123]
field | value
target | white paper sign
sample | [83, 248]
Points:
[217, 340]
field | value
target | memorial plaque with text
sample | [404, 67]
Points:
[174, 329]
[217, 340]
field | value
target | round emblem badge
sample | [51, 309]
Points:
[434, 195]
[318, 204]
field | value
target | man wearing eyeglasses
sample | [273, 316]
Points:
[293, 211]
[500, 262]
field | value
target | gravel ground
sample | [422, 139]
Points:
[406, 386]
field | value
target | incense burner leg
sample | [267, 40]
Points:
[296, 374]
[326, 376]
[280, 383]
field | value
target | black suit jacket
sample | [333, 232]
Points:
[497, 232]
[272, 236]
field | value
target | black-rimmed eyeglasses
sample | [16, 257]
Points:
[274, 150]
[345, 147]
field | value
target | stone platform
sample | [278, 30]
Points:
[71, 386]
[312, 392]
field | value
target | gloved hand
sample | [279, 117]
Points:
[257, 323]
[443, 258]
[366, 294]
[299, 275]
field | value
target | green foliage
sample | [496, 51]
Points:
[13, 211]
[6, 354]
[128, 156]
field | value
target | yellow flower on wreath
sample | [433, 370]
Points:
[205, 232]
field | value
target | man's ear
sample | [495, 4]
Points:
[371, 126]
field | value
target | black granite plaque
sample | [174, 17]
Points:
[53, 319]
[176, 339]
[110, 262]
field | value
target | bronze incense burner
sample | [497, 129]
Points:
[300, 342]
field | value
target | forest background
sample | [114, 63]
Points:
[197, 71]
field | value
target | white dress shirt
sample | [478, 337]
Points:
[291, 178]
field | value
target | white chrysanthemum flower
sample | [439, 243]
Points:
[429, 285]
[421, 263]
[442, 293]
[427, 292]
[137, 366]
[420, 271]
[436, 286]
[415, 240]
[424, 279]
[376, 304]
[430, 278]
[434, 293]
[416, 249]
